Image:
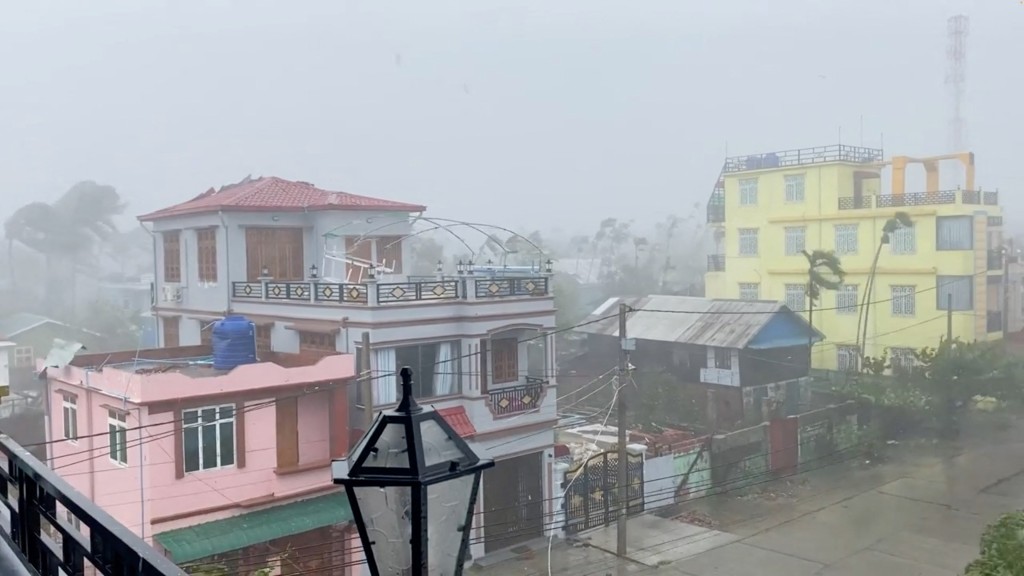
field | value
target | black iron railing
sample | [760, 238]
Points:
[995, 259]
[994, 321]
[47, 541]
[518, 398]
[498, 287]
[716, 262]
[804, 156]
[418, 291]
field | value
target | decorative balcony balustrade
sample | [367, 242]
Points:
[519, 398]
[716, 262]
[384, 293]
[940, 197]
[47, 541]
[994, 321]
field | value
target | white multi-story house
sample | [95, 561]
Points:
[315, 270]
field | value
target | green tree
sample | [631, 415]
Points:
[1002, 548]
[824, 272]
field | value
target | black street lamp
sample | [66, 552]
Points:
[412, 484]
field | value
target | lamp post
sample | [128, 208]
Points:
[412, 484]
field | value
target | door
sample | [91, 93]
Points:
[513, 502]
[783, 449]
[279, 250]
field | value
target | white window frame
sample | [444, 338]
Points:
[795, 187]
[847, 358]
[846, 299]
[903, 300]
[218, 420]
[847, 239]
[23, 356]
[903, 241]
[117, 427]
[748, 238]
[791, 297]
[796, 240]
[748, 191]
[750, 288]
[69, 411]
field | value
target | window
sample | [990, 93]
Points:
[117, 433]
[70, 408]
[263, 337]
[279, 250]
[902, 360]
[317, 342]
[750, 291]
[505, 360]
[958, 288]
[206, 244]
[723, 358]
[846, 299]
[748, 192]
[23, 357]
[902, 241]
[954, 233]
[795, 240]
[846, 239]
[902, 300]
[795, 297]
[847, 358]
[172, 329]
[435, 367]
[795, 188]
[208, 437]
[748, 241]
[172, 256]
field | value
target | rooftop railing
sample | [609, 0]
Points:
[45, 540]
[803, 157]
[940, 197]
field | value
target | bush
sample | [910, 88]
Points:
[1002, 548]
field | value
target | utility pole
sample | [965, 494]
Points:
[367, 379]
[949, 316]
[620, 418]
[1009, 257]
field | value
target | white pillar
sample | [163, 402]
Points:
[558, 514]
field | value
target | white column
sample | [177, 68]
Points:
[558, 514]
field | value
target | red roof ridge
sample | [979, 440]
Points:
[275, 194]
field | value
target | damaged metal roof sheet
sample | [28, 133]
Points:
[714, 322]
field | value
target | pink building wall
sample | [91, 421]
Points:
[158, 500]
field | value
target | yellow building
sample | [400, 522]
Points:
[766, 209]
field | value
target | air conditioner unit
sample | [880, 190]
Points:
[172, 293]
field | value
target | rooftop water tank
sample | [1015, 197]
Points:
[234, 342]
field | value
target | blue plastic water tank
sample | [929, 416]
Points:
[234, 342]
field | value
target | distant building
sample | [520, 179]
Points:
[766, 209]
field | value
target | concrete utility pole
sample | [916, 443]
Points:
[949, 317]
[620, 418]
[367, 379]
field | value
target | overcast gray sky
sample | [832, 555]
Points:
[530, 113]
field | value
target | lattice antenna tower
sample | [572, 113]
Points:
[957, 28]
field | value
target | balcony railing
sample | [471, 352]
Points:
[804, 156]
[995, 221]
[994, 321]
[716, 262]
[941, 197]
[995, 259]
[47, 542]
[385, 293]
[506, 400]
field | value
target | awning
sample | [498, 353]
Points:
[220, 536]
[457, 418]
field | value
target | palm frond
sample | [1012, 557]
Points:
[824, 271]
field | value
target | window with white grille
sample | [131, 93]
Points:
[846, 239]
[902, 241]
[954, 232]
[795, 297]
[69, 406]
[796, 240]
[902, 300]
[959, 289]
[847, 358]
[902, 360]
[846, 299]
[748, 192]
[117, 436]
[748, 241]
[750, 291]
[795, 188]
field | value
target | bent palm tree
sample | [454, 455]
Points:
[824, 272]
[898, 221]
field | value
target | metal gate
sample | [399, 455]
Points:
[591, 491]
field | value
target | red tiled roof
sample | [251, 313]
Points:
[274, 194]
[458, 419]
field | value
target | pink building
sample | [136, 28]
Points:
[211, 465]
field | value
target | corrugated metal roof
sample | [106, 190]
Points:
[687, 320]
